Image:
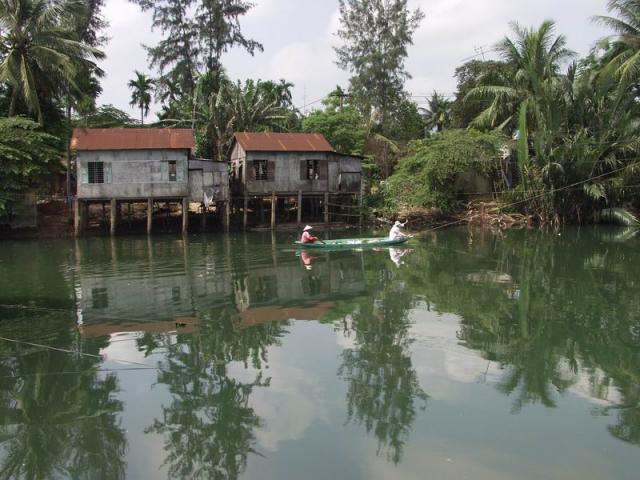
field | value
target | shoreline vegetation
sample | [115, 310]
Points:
[534, 137]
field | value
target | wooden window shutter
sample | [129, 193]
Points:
[107, 172]
[84, 173]
[271, 170]
[303, 170]
[323, 169]
[251, 170]
[164, 171]
[180, 171]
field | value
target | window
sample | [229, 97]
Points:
[260, 170]
[173, 171]
[313, 169]
[96, 172]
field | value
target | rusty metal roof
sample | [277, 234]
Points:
[132, 138]
[282, 142]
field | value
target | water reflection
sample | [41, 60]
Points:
[59, 413]
[552, 316]
[559, 315]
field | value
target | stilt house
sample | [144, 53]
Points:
[293, 172]
[150, 165]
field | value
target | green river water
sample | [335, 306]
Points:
[468, 355]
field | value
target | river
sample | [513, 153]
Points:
[467, 355]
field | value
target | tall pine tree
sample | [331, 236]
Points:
[218, 23]
[375, 36]
[177, 55]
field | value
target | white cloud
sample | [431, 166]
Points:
[298, 36]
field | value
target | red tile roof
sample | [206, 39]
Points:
[131, 138]
[283, 142]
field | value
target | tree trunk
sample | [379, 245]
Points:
[141, 115]
[68, 149]
[14, 102]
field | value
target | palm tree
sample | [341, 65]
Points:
[536, 56]
[40, 54]
[625, 48]
[436, 114]
[142, 86]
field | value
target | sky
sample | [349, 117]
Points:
[298, 38]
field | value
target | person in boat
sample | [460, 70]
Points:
[396, 231]
[307, 237]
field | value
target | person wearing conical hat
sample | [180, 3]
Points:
[306, 235]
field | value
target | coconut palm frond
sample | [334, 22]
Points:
[616, 216]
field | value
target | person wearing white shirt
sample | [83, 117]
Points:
[396, 232]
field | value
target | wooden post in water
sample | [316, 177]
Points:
[227, 215]
[244, 212]
[204, 217]
[113, 214]
[326, 207]
[299, 207]
[149, 215]
[78, 221]
[274, 203]
[185, 215]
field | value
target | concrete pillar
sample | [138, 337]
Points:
[326, 207]
[113, 214]
[244, 212]
[185, 215]
[149, 215]
[274, 204]
[299, 207]
[78, 216]
[227, 215]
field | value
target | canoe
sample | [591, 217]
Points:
[345, 243]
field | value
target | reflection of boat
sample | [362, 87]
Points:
[346, 243]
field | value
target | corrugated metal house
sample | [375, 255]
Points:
[128, 165]
[302, 168]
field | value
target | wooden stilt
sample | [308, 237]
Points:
[326, 207]
[113, 213]
[244, 212]
[274, 203]
[185, 215]
[149, 215]
[299, 207]
[204, 217]
[78, 221]
[227, 215]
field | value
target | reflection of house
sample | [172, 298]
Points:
[142, 165]
[299, 169]
[127, 288]
[275, 292]
[277, 313]
[179, 325]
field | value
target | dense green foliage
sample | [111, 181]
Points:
[339, 122]
[27, 156]
[426, 176]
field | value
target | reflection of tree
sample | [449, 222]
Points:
[54, 423]
[209, 425]
[383, 388]
[570, 309]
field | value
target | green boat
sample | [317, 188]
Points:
[345, 243]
